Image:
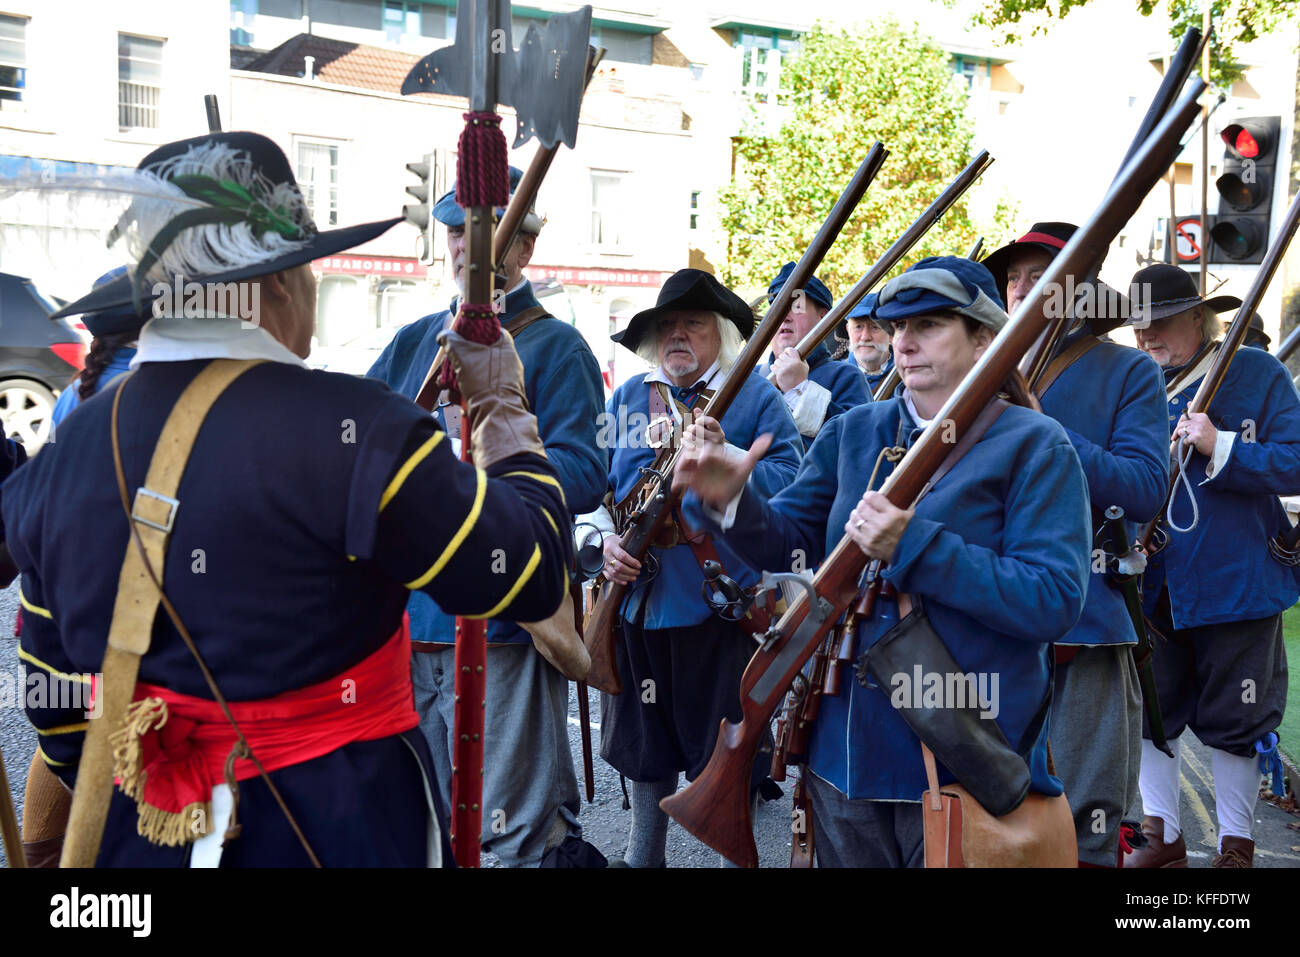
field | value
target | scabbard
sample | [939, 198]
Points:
[1144, 660]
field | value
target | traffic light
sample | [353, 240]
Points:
[420, 214]
[1240, 231]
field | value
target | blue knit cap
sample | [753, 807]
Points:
[448, 212]
[814, 288]
[943, 284]
[865, 307]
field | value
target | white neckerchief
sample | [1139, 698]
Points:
[710, 374]
[179, 339]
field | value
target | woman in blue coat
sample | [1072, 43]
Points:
[997, 551]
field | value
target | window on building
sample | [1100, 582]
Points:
[608, 208]
[318, 177]
[763, 51]
[971, 72]
[401, 19]
[139, 81]
[695, 209]
[365, 14]
[439, 22]
[623, 46]
[13, 62]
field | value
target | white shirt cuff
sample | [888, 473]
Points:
[808, 403]
[600, 518]
[724, 517]
[1222, 450]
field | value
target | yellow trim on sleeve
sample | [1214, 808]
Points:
[408, 467]
[35, 610]
[29, 657]
[538, 477]
[555, 528]
[516, 588]
[50, 761]
[479, 493]
[65, 728]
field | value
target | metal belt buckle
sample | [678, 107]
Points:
[171, 514]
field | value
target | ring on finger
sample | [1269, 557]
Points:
[859, 523]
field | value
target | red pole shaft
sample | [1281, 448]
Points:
[471, 699]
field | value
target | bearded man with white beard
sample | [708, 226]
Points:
[530, 791]
[679, 663]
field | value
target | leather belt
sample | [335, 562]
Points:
[429, 647]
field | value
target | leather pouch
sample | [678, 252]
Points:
[974, 749]
[960, 833]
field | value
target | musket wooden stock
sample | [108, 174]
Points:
[657, 499]
[715, 806]
[1232, 341]
[895, 253]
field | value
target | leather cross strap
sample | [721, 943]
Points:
[1197, 368]
[982, 423]
[131, 631]
[524, 319]
[1076, 351]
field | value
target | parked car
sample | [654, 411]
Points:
[39, 357]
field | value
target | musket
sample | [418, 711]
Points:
[1118, 548]
[213, 113]
[521, 201]
[895, 253]
[975, 250]
[1152, 539]
[1288, 346]
[715, 806]
[1184, 62]
[656, 499]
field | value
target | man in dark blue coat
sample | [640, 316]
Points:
[530, 792]
[1110, 399]
[299, 524]
[1216, 591]
[819, 388]
[868, 344]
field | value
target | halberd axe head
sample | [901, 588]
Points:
[543, 80]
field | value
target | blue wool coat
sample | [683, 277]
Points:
[998, 551]
[1221, 570]
[668, 588]
[564, 390]
[1111, 402]
[842, 379]
[292, 554]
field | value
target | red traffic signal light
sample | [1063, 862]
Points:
[1240, 231]
[1249, 139]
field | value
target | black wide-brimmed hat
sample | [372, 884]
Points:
[1049, 237]
[263, 194]
[688, 289]
[1165, 290]
[1255, 334]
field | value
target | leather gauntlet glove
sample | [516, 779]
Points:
[491, 380]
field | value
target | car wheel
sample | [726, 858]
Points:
[25, 410]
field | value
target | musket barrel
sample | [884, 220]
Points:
[1288, 346]
[894, 254]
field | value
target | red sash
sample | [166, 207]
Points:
[173, 747]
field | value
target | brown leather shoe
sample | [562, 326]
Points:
[1155, 852]
[1237, 852]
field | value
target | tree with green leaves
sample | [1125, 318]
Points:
[845, 90]
[1234, 22]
